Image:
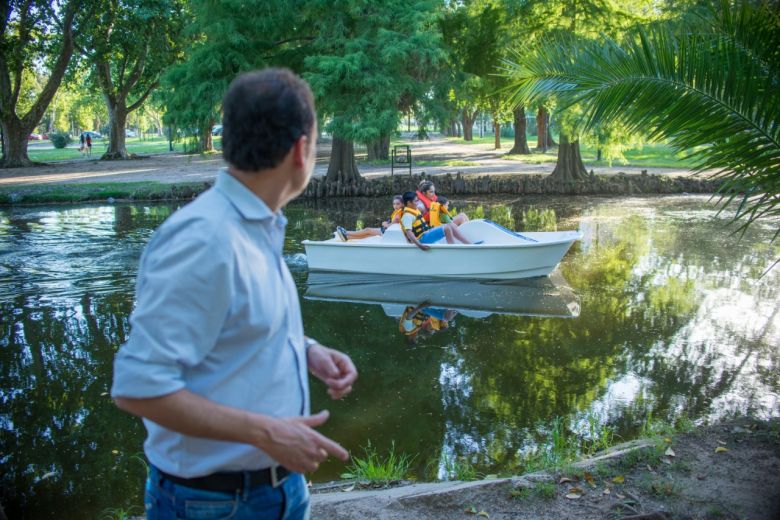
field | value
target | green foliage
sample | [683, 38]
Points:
[502, 214]
[713, 87]
[458, 468]
[379, 470]
[59, 139]
[540, 220]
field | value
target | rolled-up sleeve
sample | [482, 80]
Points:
[183, 298]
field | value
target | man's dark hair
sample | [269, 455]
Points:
[264, 113]
[409, 196]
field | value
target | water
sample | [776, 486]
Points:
[658, 312]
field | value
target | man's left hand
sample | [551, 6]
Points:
[333, 368]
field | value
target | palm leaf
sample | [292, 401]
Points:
[712, 88]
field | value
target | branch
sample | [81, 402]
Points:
[135, 75]
[35, 113]
[103, 71]
[24, 34]
[141, 100]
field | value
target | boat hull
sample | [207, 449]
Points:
[501, 257]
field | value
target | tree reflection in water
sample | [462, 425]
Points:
[675, 320]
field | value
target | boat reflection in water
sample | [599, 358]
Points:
[424, 306]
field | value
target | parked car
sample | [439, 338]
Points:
[94, 135]
[35, 137]
[131, 133]
[216, 130]
[45, 137]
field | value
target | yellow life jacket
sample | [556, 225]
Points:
[434, 216]
[397, 213]
[419, 226]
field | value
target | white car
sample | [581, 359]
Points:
[131, 133]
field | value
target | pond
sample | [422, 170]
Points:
[659, 313]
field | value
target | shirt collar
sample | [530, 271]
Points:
[247, 203]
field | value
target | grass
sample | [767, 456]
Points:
[459, 469]
[379, 470]
[138, 145]
[652, 155]
[64, 193]
[542, 490]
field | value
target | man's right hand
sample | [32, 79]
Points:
[293, 442]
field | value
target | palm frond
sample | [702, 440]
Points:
[713, 90]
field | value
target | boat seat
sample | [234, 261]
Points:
[394, 235]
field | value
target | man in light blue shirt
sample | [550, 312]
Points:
[217, 362]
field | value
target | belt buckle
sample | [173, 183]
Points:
[275, 482]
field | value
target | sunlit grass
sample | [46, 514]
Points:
[137, 145]
[58, 193]
[376, 469]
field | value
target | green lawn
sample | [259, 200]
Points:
[655, 155]
[134, 145]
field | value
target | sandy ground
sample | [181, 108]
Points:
[728, 471]
[176, 167]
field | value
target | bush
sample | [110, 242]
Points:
[59, 139]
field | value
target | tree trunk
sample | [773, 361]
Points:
[569, 166]
[541, 129]
[379, 150]
[342, 167]
[206, 141]
[117, 119]
[497, 132]
[468, 123]
[521, 142]
[14, 143]
[550, 140]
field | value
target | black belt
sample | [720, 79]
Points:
[234, 480]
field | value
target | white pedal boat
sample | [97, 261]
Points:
[502, 255]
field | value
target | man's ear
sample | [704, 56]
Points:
[301, 151]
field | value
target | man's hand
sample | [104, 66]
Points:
[333, 368]
[422, 246]
[293, 443]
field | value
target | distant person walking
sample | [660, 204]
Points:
[89, 145]
[82, 143]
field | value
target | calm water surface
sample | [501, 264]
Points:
[658, 312]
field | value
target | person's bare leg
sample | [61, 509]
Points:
[456, 232]
[448, 234]
[363, 233]
[460, 219]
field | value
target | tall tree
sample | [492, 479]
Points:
[129, 44]
[366, 62]
[710, 83]
[223, 39]
[34, 34]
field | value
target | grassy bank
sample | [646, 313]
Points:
[40, 151]
[106, 191]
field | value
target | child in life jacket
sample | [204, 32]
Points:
[419, 233]
[440, 212]
[395, 218]
[429, 204]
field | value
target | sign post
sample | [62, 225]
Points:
[402, 158]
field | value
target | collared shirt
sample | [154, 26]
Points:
[217, 313]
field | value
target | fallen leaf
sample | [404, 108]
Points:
[619, 479]
[483, 513]
[721, 449]
[668, 440]
[669, 452]
[606, 491]
[471, 510]
[573, 496]
[589, 478]
[576, 490]
[620, 497]
[721, 442]
[564, 480]
[348, 489]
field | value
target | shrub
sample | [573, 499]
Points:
[59, 139]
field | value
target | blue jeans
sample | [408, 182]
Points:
[166, 500]
[432, 235]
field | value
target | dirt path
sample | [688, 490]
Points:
[728, 471]
[177, 167]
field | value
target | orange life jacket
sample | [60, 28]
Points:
[427, 203]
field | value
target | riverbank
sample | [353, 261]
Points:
[383, 186]
[726, 471]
